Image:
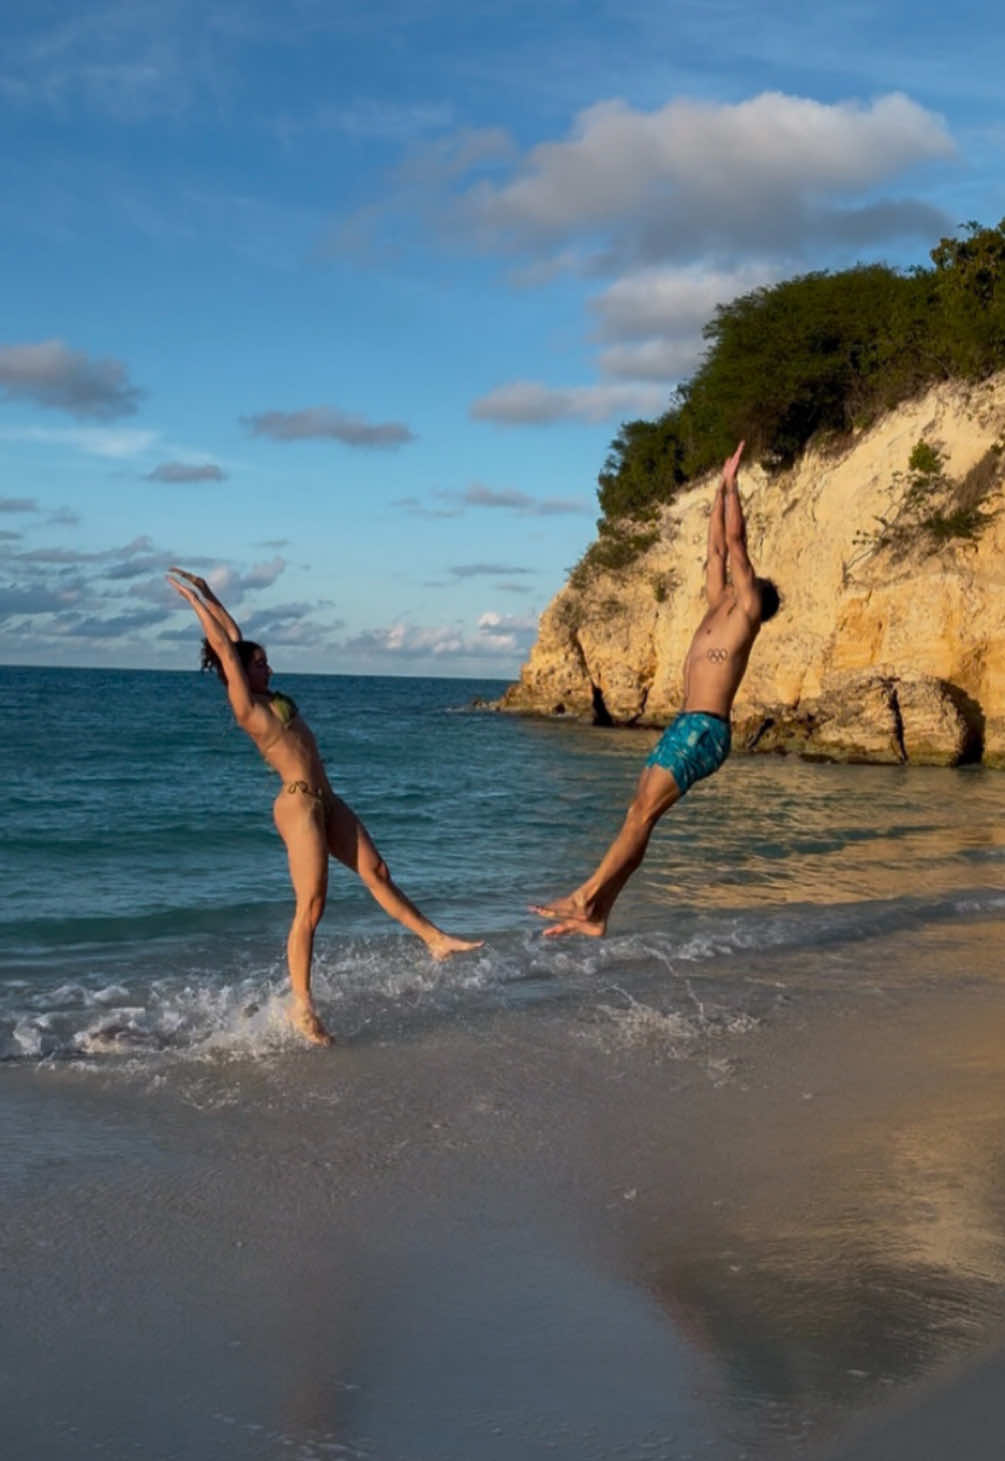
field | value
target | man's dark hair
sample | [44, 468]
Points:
[770, 599]
[211, 660]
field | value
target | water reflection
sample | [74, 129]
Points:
[757, 834]
[852, 1235]
[764, 829]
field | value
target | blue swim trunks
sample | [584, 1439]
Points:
[693, 745]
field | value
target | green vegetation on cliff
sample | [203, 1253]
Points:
[934, 508]
[820, 354]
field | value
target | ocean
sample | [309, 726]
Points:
[717, 1186]
[144, 897]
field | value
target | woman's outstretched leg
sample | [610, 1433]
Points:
[349, 841]
[301, 826]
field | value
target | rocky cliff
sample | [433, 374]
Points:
[890, 643]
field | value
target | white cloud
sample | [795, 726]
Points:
[673, 301]
[34, 599]
[530, 402]
[328, 422]
[369, 118]
[126, 59]
[186, 472]
[117, 442]
[654, 317]
[485, 570]
[415, 507]
[113, 626]
[495, 637]
[689, 206]
[513, 500]
[118, 597]
[699, 175]
[137, 546]
[231, 583]
[52, 375]
[291, 624]
[508, 623]
[653, 360]
[462, 152]
[262, 575]
[504, 499]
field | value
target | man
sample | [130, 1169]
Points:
[697, 742]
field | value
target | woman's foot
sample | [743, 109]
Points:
[307, 1022]
[442, 945]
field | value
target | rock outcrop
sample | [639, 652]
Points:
[890, 644]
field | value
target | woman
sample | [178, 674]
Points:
[312, 821]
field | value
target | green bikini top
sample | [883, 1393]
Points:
[283, 706]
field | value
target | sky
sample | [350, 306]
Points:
[342, 305]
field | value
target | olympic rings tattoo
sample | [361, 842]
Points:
[718, 655]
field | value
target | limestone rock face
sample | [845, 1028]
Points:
[869, 718]
[880, 652]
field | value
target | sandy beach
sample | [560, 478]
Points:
[518, 1236]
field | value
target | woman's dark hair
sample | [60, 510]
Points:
[211, 660]
[770, 599]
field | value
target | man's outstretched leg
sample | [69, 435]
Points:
[587, 909]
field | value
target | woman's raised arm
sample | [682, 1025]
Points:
[238, 690]
[211, 602]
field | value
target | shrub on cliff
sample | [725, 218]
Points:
[820, 354]
[935, 509]
[615, 548]
[644, 468]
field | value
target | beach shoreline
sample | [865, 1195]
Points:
[518, 1236]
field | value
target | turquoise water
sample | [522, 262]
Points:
[144, 899]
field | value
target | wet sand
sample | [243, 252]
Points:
[527, 1237]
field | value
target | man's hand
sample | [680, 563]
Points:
[730, 468]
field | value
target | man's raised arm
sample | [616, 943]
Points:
[715, 561]
[740, 568]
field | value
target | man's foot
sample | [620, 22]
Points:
[307, 1022]
[589, 927]
[572, 915]
[442, 945]
[575, 906]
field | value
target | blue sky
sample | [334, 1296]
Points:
[341, 305]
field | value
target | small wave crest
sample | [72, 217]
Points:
[218, 998]
[200, 1012]
[73, 1022]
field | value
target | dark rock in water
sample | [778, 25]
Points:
[870, 718]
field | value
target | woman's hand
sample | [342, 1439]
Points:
[208, 601]
[194, 579]
[181, 588]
